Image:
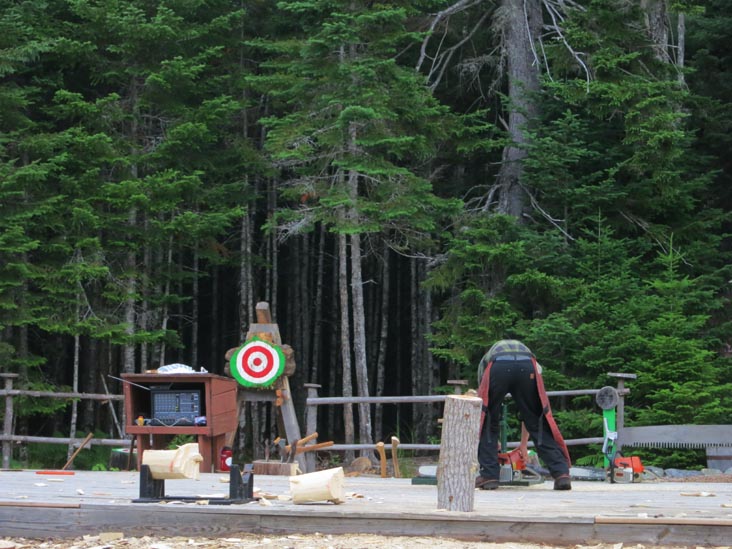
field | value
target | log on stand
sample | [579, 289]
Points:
[458, 465]
[324, 485]
[185, 462]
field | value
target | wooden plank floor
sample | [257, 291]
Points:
[661, 513]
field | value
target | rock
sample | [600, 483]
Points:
[427, 471]
[360, 465]
[681, 473]
[711, 471]
[652, 473]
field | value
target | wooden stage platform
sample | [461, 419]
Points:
[658, 513]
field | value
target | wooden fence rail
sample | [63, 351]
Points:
[8, 438]
[312, 402]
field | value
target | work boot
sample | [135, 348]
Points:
[562, 482]
[486, 483]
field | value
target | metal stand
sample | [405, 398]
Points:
[241, 488]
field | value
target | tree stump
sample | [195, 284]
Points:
[458, 464]
[264, 467]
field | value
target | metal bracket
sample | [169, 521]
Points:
[241, 488]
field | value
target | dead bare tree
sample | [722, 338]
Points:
[522, 27]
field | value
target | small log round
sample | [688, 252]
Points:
[324, 485]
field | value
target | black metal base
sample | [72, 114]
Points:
[241, 488]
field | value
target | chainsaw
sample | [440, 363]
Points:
[624, 470]
[514, 469]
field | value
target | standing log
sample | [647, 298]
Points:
[382, 458]
[185, 462]
[395, 457]
[322, 485]
[458, 464]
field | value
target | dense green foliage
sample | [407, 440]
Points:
[152, 153]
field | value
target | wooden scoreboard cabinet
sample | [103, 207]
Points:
[160, 406]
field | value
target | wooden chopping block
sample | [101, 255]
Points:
[271, 467]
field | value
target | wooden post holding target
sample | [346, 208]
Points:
[262, 366]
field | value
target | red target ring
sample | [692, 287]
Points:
[257, 360]
[257, 364]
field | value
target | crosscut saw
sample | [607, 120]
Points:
[675, 436]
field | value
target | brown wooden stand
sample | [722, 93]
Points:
[218, 401]
[279, 393]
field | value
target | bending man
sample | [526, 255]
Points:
[510, 367]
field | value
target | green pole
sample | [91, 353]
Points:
[608, 417]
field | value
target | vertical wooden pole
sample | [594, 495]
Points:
[311, 424]
[8, 422]
[458, 464]
[289, 418]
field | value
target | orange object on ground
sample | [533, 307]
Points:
[54, 472]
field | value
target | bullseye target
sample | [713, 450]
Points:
[257, 363]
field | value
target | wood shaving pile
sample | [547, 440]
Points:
[723, 478]
[113, 540]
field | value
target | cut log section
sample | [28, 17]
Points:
[267, 467]
[458, 465]
[185, 462]
[324, 485]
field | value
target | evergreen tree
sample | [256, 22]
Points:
[357, 129]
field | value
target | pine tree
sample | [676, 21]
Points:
[357, 127]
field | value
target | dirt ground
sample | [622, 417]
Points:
[111, 540]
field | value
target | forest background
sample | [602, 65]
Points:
[403, 182]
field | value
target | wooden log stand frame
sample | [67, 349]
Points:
[279, 393]
[241, 488]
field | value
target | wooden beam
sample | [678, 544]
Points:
[76, 452]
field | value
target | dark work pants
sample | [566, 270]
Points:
[517, 377]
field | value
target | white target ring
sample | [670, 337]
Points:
[257, 364]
